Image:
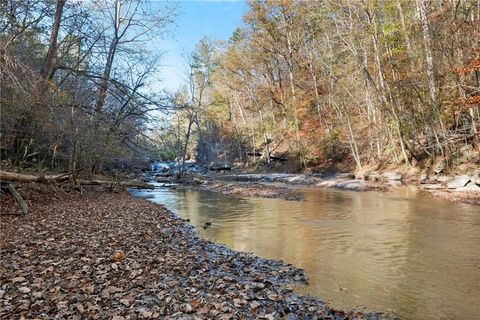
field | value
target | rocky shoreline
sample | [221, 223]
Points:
[102, 254]
[460, 188]
[244, 189]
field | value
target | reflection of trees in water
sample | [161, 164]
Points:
[441, 272]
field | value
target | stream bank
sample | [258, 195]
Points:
[105, 254]
[460, 188]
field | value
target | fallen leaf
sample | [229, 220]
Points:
[18, 279]
[24, 290]
[119, 256]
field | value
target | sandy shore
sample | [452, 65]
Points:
[104, 255]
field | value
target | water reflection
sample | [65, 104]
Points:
[415, 256]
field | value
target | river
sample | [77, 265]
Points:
[413, 256]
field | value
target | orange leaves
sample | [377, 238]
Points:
[474, 65]
[472, 101]
[119, 256]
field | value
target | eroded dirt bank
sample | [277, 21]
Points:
[109, 255]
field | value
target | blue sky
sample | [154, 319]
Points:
[214, 19]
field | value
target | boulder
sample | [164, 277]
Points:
[354, 185]
[298, 179]
[327, 184]
[458, 182]
[392, 176]
[470, 187]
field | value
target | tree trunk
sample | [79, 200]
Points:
[52, 49]
[18, 198]
[19, 177]
[187, 138]
[102, 94]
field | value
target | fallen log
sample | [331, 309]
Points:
[19, 177]
[129, 184]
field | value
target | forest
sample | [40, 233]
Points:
[319, 159]
[317, 83]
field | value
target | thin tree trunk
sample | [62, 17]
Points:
[102, 92]
[52, 49]
[187, 138]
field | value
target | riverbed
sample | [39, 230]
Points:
[411, 255]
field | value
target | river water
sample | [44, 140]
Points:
[413, 256]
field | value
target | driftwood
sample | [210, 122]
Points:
[19, 177]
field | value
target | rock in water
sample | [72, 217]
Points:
[327, 184]
[392, 176]
[458, 182]
[354, 185]
[470, 187]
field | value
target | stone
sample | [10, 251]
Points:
[423, 177]
[353, 185]
[432, 186]
[458, 182]
[297, 179]
[327, 184]
[442, 178]
[470, 187]
[363, 175]
[344, 175]
[439, 166]
[374, 176]
[392, 176]
[476, 180]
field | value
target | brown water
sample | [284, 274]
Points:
[416, 257]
